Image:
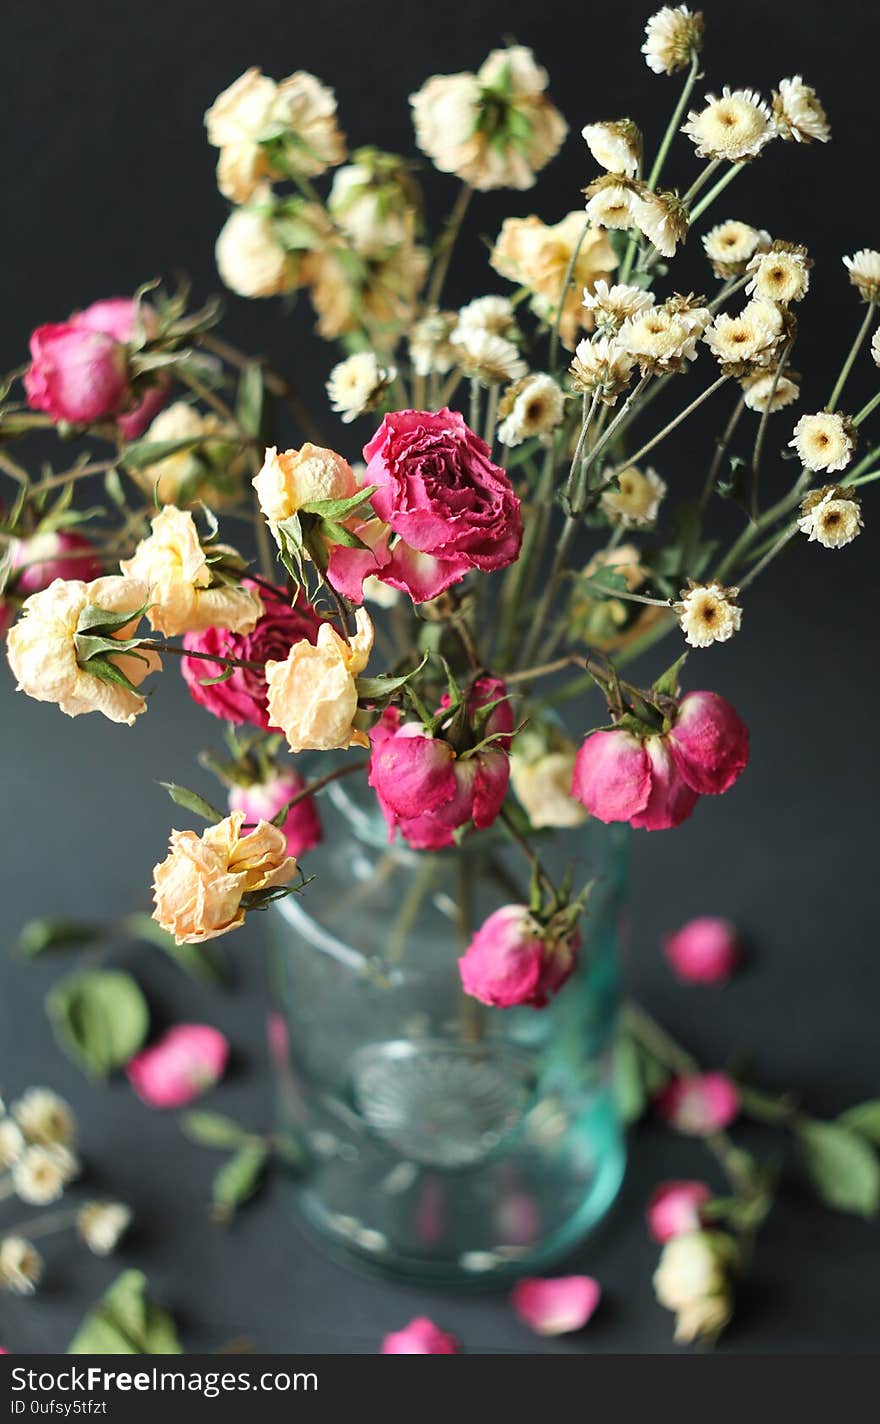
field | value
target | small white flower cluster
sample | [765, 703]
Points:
[36, 1151]
[358, 384]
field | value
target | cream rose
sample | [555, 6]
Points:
[43, 656]
[543, 787]
[538, 256]
[293, 478]
[175, 568]
[313, 694]
[198, 888]
[211, 471]
[250, 259]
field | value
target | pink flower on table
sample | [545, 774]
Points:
[512, 960]
[674, 1209]
[556, 1306]
[704, 951]
[243, 697]
[183, 1064]
[263, 801]
[76, 374]
[709, 742]
[425, 789]
[700, 1104]
[420, 1337]
[438, 489]
[60, 554]
[620, 778]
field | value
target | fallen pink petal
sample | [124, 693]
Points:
[420, 1337]
[556, 1306]
[674, 1209]
[187, 1061]
[704, 951]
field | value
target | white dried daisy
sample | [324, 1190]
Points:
[875, 347]
[672, 37]
[781, 274]
[824, 441]
[358, 384]
[11, 1142]
[529, 408]
[734, 126]
[662, 218]
[41, 1174]
[21, 1265]
[430, 349]
[610, 203]
[616, 145]
[798, 113]
[759, 394]
[493, 314]
[491, 359]
[102, 1225]
[603, 367]
[661, 340]
[747, 339]
[831, 516]
[730, 245]
[44, 1117]
[864, 272]
[611, 306]
[636, 501]
[708, 613]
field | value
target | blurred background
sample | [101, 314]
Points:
[108, 183]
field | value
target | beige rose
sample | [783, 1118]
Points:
[537, 255]
[211, 472]
[251, 260]
[241, 168]
[175, 568]
[243, 112]
[312, 694]
[293, 478]
[307, 108]
[198, 888]
[42, 651]
[543, 786]
[380, 296]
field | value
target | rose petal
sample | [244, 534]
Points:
[556, 1306]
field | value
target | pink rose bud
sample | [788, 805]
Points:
[556, 1307]
[704, 951]
[510, 960]
[620, 778]
[700, 1105]
[709, 742]
[262, 802]
[674, 1209]
[186, 1061]
[420, 1337]
[42, 558]
[76, 374]
[424, 789]
[116, 317]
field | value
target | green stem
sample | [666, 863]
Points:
[714, 192]
[762, 429]
[867, 409]
[569, 274]
[446, 245]
[720, 451]
[667, 429]
[850, 360]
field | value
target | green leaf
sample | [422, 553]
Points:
[100, 1018]
[104, 623]
[203, 962]
[336, 509]
[338, 534]
[237, 1182]
[250, 401]
[192, 801]
[212, 1129]
[40, 936]
[629, 1087]
[842, 1167]
[126, 1322]
[373, 689]
[863, 1119]
[92, 645]
[141, 453]
[109, 672]
[668, 683]
[223, 676]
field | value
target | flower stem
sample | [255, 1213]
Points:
[667, 429]
[853, 353]
[156, 647]
[566, 283]
[445, 246]
[867, 409]
[714, 192]
[762, 429]
[720, 451]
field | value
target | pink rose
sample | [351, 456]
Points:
[704, 951]
[709, 742]
[185, 1062]
[510, 960]
[42, 558]
[7, 614]
[620, 778]
[699, 1105]
[262, 802]
[556, 1307]
[674, 1209]
[242, 698]
[438, 489]
[116, 317]
[420, 1337]
[76, 374]
[425, 789]
[420, 576]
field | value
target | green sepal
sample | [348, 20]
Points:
[192, 801]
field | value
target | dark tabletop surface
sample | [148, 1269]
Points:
[789, 854]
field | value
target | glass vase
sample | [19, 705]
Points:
[440, 1140]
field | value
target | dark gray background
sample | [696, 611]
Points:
[107, 182]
